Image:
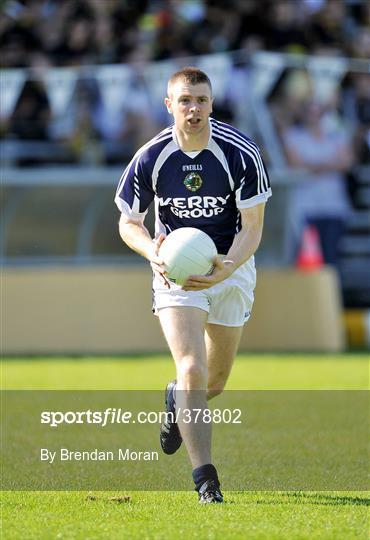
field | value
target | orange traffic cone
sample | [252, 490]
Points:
[310, 255]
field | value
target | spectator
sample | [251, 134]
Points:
[320, 196]
[330, 29]
[285, 30]
[31, 116]
[356, 106]
[77, 43]
[124, 128]
[77, 127]
[250, 24]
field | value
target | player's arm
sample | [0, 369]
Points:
[248, 239]
[243, 247]
[134, 233]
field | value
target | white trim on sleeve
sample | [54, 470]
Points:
[127, 211]
[253, 201]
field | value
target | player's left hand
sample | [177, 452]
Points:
[221, 271]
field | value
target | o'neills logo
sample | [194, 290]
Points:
[192, 167]
[193, 181]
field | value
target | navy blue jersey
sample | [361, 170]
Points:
[203, 189]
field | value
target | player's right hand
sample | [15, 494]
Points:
[156, 262]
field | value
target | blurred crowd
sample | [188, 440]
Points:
[76, 32]
[37, 34]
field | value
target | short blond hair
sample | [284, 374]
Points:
[190, 75]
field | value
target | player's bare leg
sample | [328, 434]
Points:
[222, 345]
[183, 328]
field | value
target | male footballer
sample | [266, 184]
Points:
[197, 164]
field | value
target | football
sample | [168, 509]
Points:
[187, 251]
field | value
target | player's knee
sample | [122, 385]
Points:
[215, 390]
[192, 373]
[216, 384]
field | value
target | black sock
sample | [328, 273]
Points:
[203, 473]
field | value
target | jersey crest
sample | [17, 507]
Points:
[193, 181]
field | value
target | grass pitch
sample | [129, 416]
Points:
[157, 515]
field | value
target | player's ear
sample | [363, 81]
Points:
[168, 104]
[212, 105]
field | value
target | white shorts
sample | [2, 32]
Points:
[228, 303]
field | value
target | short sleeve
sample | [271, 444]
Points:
[135, 192]
[253, 186]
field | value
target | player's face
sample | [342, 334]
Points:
[190, 105]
